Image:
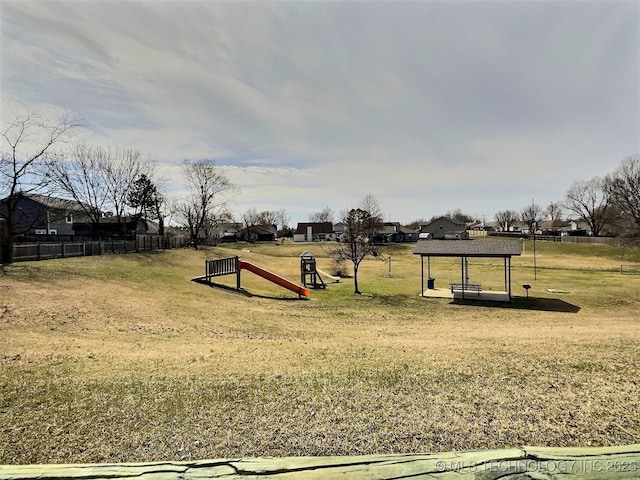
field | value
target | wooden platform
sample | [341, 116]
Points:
[621, 462]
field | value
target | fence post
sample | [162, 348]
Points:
[237, 262]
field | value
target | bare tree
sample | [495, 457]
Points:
[250, 219]
[375, 214]
[554, 211]
[267, 219]
[590, 201]
[100, 178]
[532, 215]
[159, 210]
[29, 143]
[458, 214]
[121, 167]
[371, 205]
[283, 219]
[415, 224]
[623, 186]
[326, 215]
[80, 176]
[506, 218]
[357, 240]
[209, 193]
[210, 228]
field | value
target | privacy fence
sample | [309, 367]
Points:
[34, 251]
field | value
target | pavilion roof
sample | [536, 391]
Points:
[467, 248]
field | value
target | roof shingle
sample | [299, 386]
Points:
[467, 248]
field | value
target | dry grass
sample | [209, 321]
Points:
[122, 358]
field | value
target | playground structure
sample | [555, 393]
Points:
[233, 265]
[310, 274]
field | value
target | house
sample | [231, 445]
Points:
[396, 233]
[150, 228]
[285, 232]
[339, 228]
[45, 217]
[257, 233]
[226, 232]
[42, 214]
[444, 227]
[314, 232]
[578, 228]
[482, 226]
[112, 226]
[516, 226]
[554, 227]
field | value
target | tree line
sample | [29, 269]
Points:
[609, 204]
[39, 157]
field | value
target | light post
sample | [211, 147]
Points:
[535, 272]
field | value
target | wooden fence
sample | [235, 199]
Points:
[575, 239]
[23, 252]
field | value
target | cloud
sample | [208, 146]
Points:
[429, 105]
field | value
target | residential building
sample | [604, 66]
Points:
[444, 227]
[258, 233]
[396, 233]
[42, 215]
[112, 226]
[314, 232]
[35, 215]
[226, 232]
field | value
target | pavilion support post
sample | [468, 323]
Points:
[462, 270]
[421, 275]
[509, 278]
[505, 275]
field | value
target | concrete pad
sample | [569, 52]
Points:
[488, 296]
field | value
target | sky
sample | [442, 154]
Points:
[429, 106]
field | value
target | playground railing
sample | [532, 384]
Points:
[221, 266]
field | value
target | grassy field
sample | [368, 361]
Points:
[123, 358]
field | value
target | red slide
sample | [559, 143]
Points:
[272, 277]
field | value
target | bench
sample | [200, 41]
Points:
[465, 287]
[629, 269]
